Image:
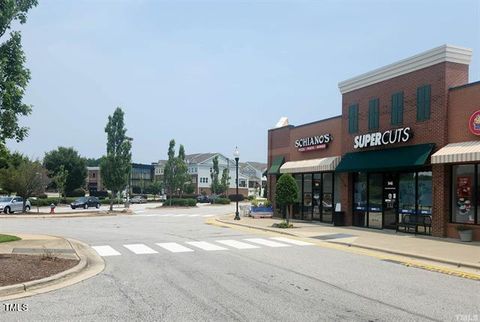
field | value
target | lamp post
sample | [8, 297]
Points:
[236, 154]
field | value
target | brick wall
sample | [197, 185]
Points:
[462, 103]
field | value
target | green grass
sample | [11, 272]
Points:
[8, 238]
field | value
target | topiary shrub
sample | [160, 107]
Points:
[180, 202]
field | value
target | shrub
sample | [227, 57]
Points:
[251, 197]
[99, 194]
[79, 192]
[283, 224]
[180, 202]
[235, 197]
[221, 201]
[42, 196]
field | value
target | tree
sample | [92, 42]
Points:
[72, 162]
[286, 193]
[182, 176]
[92, 162]
[156, 188]
[27, 179]
[14, 77]
[169, 170]
[60, 180]
[224, 181]
[175, 174]
[214, 185]
[115, 167]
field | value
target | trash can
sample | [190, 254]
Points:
[339, 218]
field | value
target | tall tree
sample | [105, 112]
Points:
[60, 180]
[28, 179]
[72, 162]
[182, 176]
[286, 193]
[169, 170]
[92, 162]
[224, 181]
[115, 167]
[214, 185]
[14, 76]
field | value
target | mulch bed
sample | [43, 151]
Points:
[15, 268]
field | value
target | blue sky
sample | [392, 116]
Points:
[214, 74]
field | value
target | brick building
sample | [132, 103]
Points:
[402, 155]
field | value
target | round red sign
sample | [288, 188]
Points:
[474, 123]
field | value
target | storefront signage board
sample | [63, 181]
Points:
[400, 135]
[474, 123]
[313, 143]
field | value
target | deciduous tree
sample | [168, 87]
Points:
[60, 180]
[115, 167]
[215, 183]
[286, 193]
[72, 162]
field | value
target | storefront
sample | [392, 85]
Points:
[403, 155]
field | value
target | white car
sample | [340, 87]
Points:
[10, 205]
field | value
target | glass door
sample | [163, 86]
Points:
[390, 198]
[317, 192]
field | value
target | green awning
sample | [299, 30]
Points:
[402, 158]
[276, 164]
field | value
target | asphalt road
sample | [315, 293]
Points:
[237, 283]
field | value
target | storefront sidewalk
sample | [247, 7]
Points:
[443, 250]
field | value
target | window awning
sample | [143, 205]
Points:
[458, 152]
[386, 160]
[313, 165]
[276, 164]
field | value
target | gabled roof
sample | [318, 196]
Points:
[199, 157]
[258, 165]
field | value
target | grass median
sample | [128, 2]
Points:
[8, 238]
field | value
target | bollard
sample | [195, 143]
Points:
[52, 208]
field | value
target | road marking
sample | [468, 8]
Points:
[206, 216]
[291, 241]
[140, 211]
[106, 251]
[266, 242]
[206, 246]
[236, 244]
[175, 248]
[193, 215]
[140, 249]
[179, 215]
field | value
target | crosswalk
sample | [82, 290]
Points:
[193, 246]
[141, 214]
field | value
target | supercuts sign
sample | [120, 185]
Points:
[317, 142]
[382, 138]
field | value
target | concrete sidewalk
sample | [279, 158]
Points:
[443, 250]
[89, 263]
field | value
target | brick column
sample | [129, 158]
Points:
[440, 199]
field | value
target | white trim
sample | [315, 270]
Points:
[457, 153]
[312, 165]
[445, 53]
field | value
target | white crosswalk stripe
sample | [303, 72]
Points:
[206, 216]
[193, 215]
[266, 242]
[105, 251]
[140, 249]
[292, 241]
[236, 244]
[206, 246]
[175, 248]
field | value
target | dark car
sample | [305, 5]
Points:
[85, 202]
[203, 199]
[138, 199]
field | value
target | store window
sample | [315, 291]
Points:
[317, 198]
[463, 201]
[375, 200]
[424, 193]
[327, 197]
[423, 102]
[407, 195]
[360, 200]
[397, 108]
[307, 197]
[297, 205]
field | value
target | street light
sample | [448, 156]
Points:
[236, 154]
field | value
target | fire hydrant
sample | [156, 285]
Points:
[52, 208]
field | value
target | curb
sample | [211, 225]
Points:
[378, 249]
[66, 215]
[88, 259]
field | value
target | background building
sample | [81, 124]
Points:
[141, 177]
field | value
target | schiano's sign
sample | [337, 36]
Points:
[313, 143]
[382, 138]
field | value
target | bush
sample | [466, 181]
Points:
[42, 196]
[251, 197]
[177, 202]
[45, 202]
[99, 194]
[221, 201]
[79, 192]
[235, 197]
[185, 196]
[283, 224]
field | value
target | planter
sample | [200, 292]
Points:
[465, 235]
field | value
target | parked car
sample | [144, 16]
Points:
[85, 202]
[203, 199]
[10, 205]
[138, 199]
